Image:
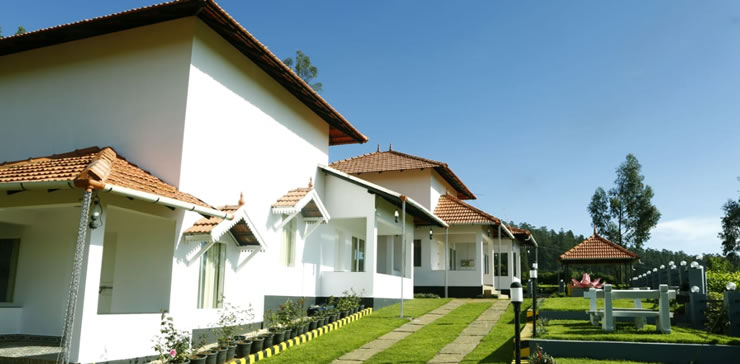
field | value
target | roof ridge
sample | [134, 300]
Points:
[416, 157]
[614, 244]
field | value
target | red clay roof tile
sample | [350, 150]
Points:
[396, 161]
[597, 248]
[101, 165]
[454, 211]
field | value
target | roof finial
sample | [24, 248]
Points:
[241, 199]
[390, 147]
[310, 182]
[378, 148]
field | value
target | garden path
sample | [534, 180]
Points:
[384, 342]
[472, 335]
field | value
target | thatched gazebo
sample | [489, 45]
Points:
[597, 250]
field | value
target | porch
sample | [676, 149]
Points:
[124, 282]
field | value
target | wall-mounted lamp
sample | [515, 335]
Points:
[430, 233]
[396, 215]
[96, 215]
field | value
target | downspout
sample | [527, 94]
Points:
[447, 259]
[498, 277]
[403, 245]
[74, 289]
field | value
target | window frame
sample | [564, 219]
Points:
[15, 246]
[417, 252]
[358, 254]
[220, 277]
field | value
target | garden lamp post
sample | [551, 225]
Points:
[516, 299]
[533, 276]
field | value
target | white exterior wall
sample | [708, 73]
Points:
[125, 89]
[438, 187]
[467, 240]
[413, 183]
[507, 246]
[246, 133]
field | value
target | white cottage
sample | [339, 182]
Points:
[476, 255]
[195, 103]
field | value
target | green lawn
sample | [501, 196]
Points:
[498, 345]
[424, 344]
[582, 330]
[581, 304]
[328, 347]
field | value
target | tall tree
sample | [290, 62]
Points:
[625, 214]
[21, 30]
[730, 234]
[304, 69]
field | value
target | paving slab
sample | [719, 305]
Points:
[387, 340]
[471, 336]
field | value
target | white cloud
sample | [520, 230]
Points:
[693, 235]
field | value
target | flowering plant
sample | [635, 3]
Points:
[173, 345]
[587, 283]
[540, 357]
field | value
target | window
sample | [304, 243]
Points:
[417, 252]
[8, 267]
[212, 271]
[453, 259]
[504, 264]
[358, 255]
[486, 263]
[513, 263]
[288, 251]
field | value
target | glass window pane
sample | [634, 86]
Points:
[417, 253]
[8, 268]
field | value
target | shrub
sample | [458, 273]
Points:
[716, 281]
[716, 314]
[426, 295]
[230, 317]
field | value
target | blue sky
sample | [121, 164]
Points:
[533, 104]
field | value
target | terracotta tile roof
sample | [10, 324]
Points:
[239, 228]
[291, 198]
[597, 248]
[396, 161]
[340, 130]
[206, 224]
[455, 211]
[95, 164]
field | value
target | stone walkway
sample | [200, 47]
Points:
[472, 335]
[385, 341]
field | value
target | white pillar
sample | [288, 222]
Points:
[87, 300]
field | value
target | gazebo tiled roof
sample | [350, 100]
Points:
[597, 249]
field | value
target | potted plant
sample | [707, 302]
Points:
[272, 322]
[211, 356]
[257, 343]
[230, 318]
[172, 345]
[243, 348]
[198, 356]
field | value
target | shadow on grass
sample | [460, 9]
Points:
[503, 354]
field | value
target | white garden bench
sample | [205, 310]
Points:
[607, 315]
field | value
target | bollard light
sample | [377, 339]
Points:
[731, 286]
[662, 266]
[671, 263]
[655, 270]
[694, 289]
[533, 273]
[516, 292]
[648, 272]
[517, 298]
[694, 264]
[683, 263]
